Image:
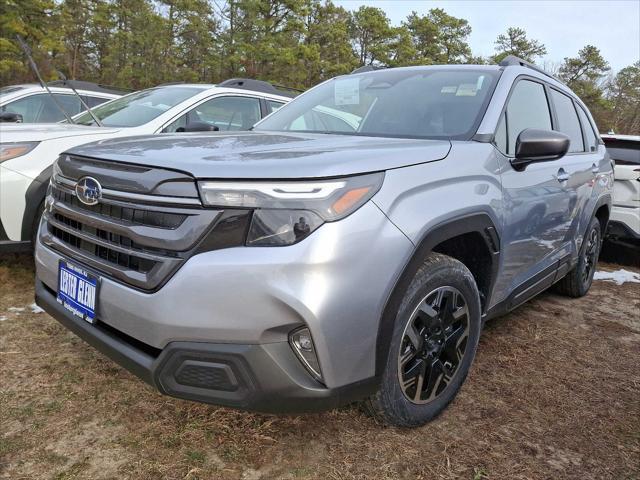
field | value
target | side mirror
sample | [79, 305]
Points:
[198, 127]
[10, 117]
[535, 145]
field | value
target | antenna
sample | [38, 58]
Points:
[27, 52]
[86, 107]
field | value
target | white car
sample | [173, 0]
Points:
[624, 223]
[33, 104]
[27, 151]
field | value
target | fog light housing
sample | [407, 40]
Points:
[302, 344]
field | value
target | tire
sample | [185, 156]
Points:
[36, 224]
[435, 336]
[578, 281]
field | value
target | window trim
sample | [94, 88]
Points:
[554, 121]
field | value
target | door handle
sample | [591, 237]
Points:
[562, 176]
[595, 169]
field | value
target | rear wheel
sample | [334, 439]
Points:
[578, 281]
[435, 338]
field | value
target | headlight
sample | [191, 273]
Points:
[13, 150]
[288, 211]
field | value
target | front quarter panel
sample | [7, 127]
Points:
[419, 198]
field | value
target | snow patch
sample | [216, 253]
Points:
[35, 308]
[618, 277]
[3, 318]
[16, 309]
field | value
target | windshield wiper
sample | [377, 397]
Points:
[86, 107]
[27, 52]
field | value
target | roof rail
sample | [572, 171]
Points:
[89, 86]
[512, 60]
[366, 68]
[259, 86]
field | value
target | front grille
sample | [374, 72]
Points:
[133, 215]
[140, 244]
[127, 260]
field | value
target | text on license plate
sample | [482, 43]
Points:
[77, 290]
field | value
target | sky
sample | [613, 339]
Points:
[563, 26]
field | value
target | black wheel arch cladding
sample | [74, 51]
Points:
[480, 223]
[34, 196]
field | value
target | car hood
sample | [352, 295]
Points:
[38, 132]
[273, 155]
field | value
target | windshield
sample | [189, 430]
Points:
[411, 103]
[138, 108]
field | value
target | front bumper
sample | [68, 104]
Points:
[265, 378]
[336, 282]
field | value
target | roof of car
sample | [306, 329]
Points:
[59, 85]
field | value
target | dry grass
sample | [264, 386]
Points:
[554, 393]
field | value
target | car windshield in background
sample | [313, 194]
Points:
[624, 152]
[410, 103]
[138, 108]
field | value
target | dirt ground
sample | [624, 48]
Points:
[554, 393]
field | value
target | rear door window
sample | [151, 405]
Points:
[568, 120]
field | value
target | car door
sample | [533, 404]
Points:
[582, 164]
[226, 112]
[536, 199]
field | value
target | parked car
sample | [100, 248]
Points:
[624, 226]
[31, 103]
[27, 152]
[298, 267]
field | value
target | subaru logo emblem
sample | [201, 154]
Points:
[88, 190]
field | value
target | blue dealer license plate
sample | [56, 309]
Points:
[77, 290]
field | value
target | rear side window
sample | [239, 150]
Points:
[527, 108]
[568, 120]
[590, 136]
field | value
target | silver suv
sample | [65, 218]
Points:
[349, 248]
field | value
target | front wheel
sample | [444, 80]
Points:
[578, 281]
[434, 342]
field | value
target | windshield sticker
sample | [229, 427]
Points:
[480, 82]
[466, 90]
[347, 91]
[449, 89]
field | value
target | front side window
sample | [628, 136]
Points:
[406, 103]
[41, 108]
[138, 108]
[568, 120]
[527, 108]
[226, 113]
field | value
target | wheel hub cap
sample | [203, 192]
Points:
[433, 345]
